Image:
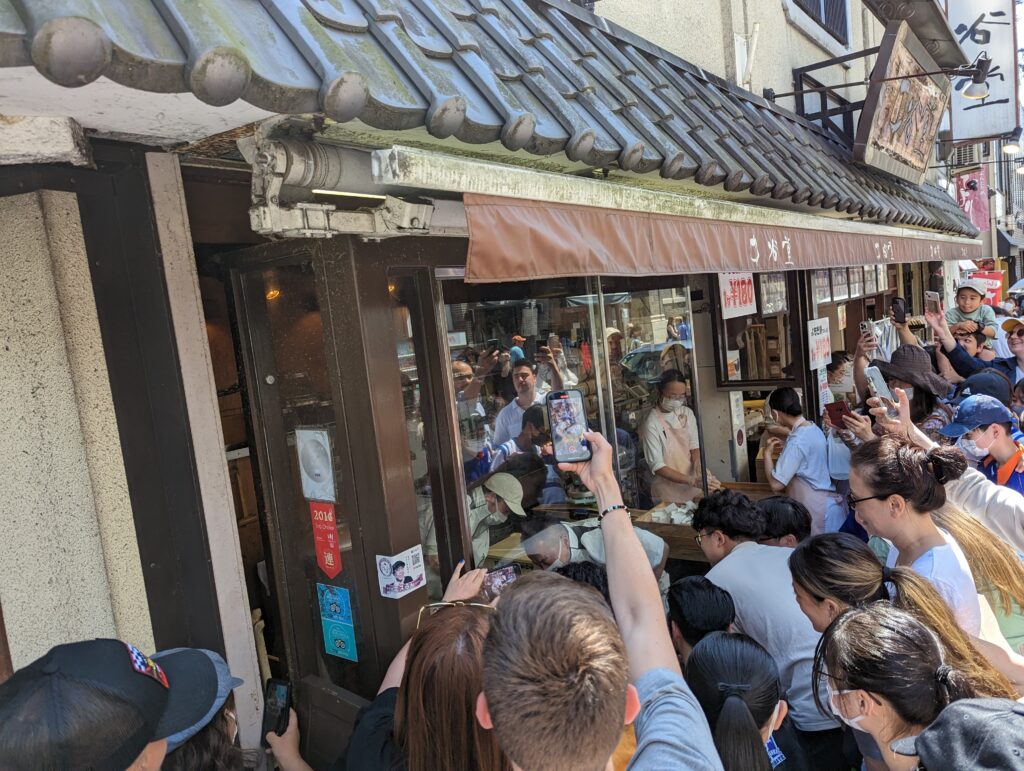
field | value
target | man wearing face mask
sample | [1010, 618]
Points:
[984, 429]
[671, 443]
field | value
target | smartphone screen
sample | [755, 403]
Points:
[876, 383]
[568, 420]
[499, 578]
[276, 703]
[931, 302]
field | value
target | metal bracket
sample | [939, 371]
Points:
[276, 163]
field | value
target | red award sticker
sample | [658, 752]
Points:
[325, 537]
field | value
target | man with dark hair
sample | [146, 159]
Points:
[100, 704]
[588, 573]
[757, 577]
[534, 435]
[557, 667]
[786, 521]
[509, 422]
[696, 608]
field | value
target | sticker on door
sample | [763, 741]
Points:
[336, 620]
[402, 573]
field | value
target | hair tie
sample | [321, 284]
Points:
[886, 574]
[942, 673]
[733, 689]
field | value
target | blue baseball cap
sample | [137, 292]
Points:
[976, 411]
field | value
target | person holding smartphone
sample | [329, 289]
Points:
[672, 445]
[965, 364]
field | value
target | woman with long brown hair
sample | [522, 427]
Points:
[837, 571]
[423, 717]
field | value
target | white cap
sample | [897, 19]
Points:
[973, 285]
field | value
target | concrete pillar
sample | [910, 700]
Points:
[69, 561]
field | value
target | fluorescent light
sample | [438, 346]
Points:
[343, 194]
[976, 91]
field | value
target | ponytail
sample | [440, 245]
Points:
[738, 737]
[892, 465]
[737, 684]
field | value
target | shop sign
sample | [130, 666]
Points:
[901, 115]
[336, 621]
[883, 277]
[736, 294]
[870, 279]
[325, 537]
[989, 27]
[973, 198]
[316, 468]
[819, 343]
[773, 294]
[825, 395]
[993, 281]
[822, 287]
[856, 282]
[401, 574]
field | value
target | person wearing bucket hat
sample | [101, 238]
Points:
[984, 429]
[971, 314]
[100, 704]
[505, 493]
[969, 733]
[910, 368]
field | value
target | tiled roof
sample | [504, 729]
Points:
[543, 76]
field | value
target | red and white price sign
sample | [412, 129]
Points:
[819, 343]
[736, 294]
[325, 537]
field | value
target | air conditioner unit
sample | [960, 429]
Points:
[966, 155]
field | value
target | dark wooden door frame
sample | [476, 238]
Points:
[141, 354]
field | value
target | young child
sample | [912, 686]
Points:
[970, 313]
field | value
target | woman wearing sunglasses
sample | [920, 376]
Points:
[423, 717]
[965, 364]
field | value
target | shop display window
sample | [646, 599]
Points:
[870, 279]
[855, 282]
[822, 286]
[840, 285]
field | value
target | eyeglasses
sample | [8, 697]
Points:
[701, 536]
[852, 502]
[433, 607]
[1018, 332]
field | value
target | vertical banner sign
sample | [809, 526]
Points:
[325, 537]
[973, 198]
[736, 294]
[985, 26]
[819, 343]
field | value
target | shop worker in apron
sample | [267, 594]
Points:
[802, 469]
[671, 443]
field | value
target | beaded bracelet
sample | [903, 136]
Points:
[609, 510]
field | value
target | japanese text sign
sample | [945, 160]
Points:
[819, 343]
[985, 26]
[325, 537]
[736, 293]
[993, 282]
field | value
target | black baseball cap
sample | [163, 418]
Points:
[97, 704]
[970, 733]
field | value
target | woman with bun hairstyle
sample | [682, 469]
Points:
[887, 674]
[837, 571]
[737, 684]
[894, 487]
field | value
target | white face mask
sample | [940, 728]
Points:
[833, 703]
[910, 393]
[675, 404]
[558, 563]
[972, 449]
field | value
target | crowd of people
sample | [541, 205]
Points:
[867, 615]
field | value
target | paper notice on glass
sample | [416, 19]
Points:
[819, 343]
[316, 468]
[736, 295]
[402, 573]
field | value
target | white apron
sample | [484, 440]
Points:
[827, 508]
[677, 457]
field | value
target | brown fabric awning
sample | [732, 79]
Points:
[516, 240]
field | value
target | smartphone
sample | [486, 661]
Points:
[876, 383]
[567, 418]
[899, 310]
[276, 702]
[499, 578]
[836, 412]
[867, 327]
[931, 302]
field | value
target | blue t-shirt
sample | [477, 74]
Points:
[515, 353]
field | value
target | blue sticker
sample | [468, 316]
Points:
[775, 756]
[336, 620]
[334, 603]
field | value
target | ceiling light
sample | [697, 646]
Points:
[273, 294]
[976, 91]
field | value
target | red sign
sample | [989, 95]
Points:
[972, 197]
[736, 292]
[325, 537]
[993, 281]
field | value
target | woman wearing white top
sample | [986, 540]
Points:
[801, 471]
[894, 485]
[671, 443]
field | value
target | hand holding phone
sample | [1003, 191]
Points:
[567, 418]
[500, 578]
[836, 411]
[277, 701]
[899, 310]
[931, 302]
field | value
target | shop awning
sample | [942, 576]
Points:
[541, 76]
[1009, 245]
[514, 239]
